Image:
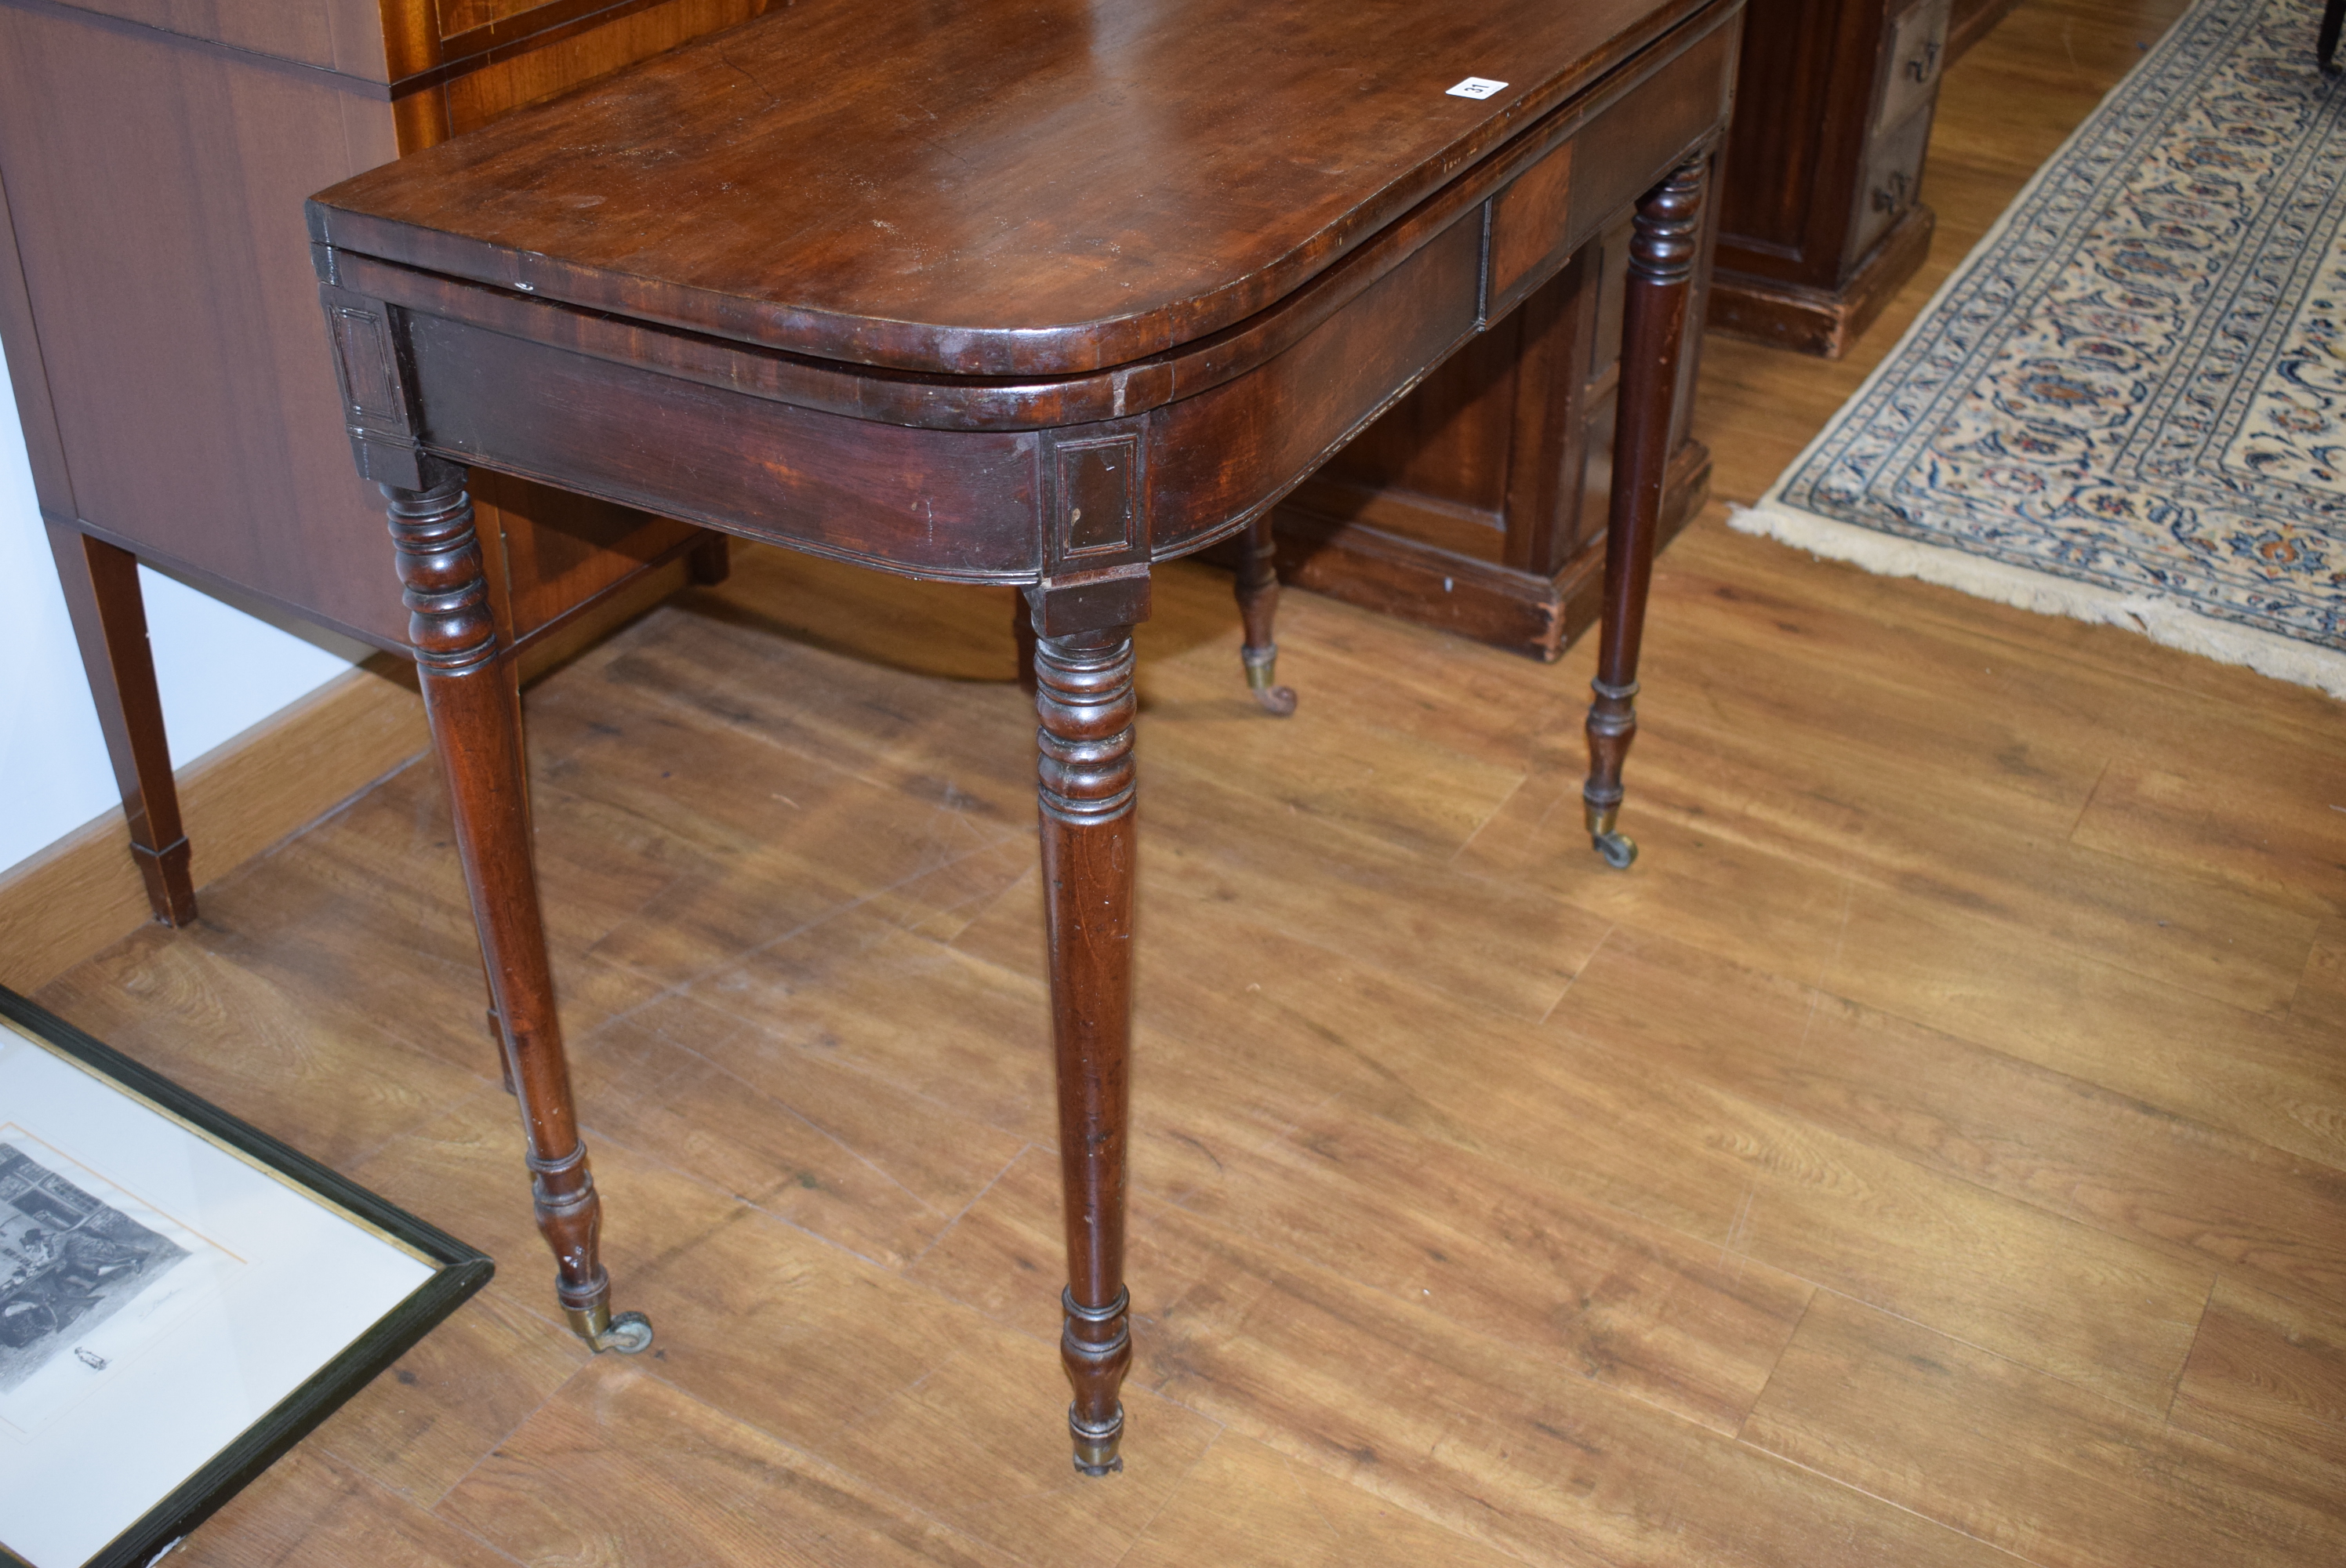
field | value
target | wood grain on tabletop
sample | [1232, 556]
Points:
[1930, 1151]
[962, 229]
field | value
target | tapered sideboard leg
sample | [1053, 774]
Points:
[1084, 698]
[468, 697]
[1663, 243]
[1258, 591]
[109, 619]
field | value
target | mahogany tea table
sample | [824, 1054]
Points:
[1037, 293]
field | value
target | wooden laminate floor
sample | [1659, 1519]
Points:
[1932, 1152]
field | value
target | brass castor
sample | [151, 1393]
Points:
[1096, 1447]
[1617, 848]
[1262, 676]
[628, 1333]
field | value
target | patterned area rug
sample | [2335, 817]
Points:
[2129, 405]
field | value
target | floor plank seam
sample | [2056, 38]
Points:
[2086, 805]
[2139, 1411]
[490, 1450]
[914, 1261]
[1932, 1520]
[1573, 979]
[674, 988]
[487, 1086]
[817, 1462]
[804, 1120]
[596, 1138]
[2175, 1390]
[1760, 1398]
[1140, 1536]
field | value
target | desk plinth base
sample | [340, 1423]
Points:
[1808, 319]
[1395, 574]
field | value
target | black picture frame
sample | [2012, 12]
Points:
[458, 1272]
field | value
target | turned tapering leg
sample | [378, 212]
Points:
[1663, 243]
[109, 620]
[468, 698]
[1084, 698]
[1257, 590]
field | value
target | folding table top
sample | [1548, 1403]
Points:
[1028, 187]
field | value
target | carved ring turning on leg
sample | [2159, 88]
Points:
[1085, 699]
[476, 723]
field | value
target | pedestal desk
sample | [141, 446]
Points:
[1034, 293]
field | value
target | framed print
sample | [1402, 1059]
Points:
[182, 1298]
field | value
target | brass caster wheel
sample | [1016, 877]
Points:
[1618, 848]
[627, 1333]
[1278, 701]
[1096, 1447]
[1262, 676]
[630, 1333]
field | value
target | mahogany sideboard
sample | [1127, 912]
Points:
[1036, 293]
[155, 295]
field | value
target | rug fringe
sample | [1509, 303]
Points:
[2163, 621]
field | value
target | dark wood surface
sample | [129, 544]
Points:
[101, 586]
[1091, 848]
[1047, 320]
[942, 493]
[1028, 190]
[469, 693]
[1256, 582]
[1663, 247]
[184, 389]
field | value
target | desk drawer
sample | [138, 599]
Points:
[1893, 176]
[1564, 200]
[1910, 63]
